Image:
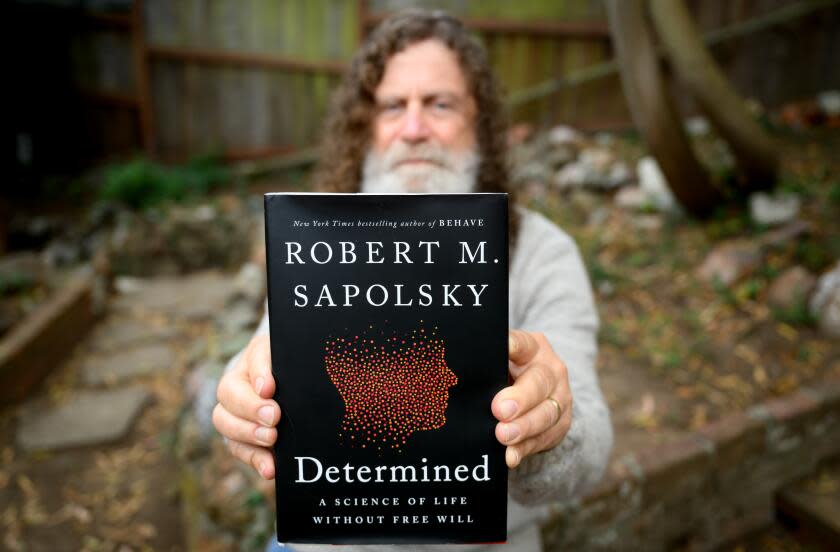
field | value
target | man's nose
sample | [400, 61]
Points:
[414, 127]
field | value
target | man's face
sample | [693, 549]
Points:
[424, 127]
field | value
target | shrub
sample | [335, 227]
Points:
[143, 183]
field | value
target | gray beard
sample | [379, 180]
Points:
[451, 174]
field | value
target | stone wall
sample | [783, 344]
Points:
[709, 488]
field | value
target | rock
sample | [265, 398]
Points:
[651, 223]
[791, 288]
[573, 175]
[773, 209]
[606, 288]
[20, 271]
[249, 283]
[533, 191]
[63, 252]
[559, 156]
[102, 214]
[598, 160]
[619, 175]
[595, 168]
[598, 216]
[532, 171]
[88, 418]
[180, 240]
[564, 135]
[829, 102]
[118, 334]
[631, 197]
[128, 284]
[729, 262]
[126, 364]
[225, 501]
[583, 200]
[241, 315]
[201, 390]
[198, 296]
[652, 182]
[779, 237]
[825, 302]
[231, 345]
[697, 126]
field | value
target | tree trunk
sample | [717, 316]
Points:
[755, 152]
[652, 108]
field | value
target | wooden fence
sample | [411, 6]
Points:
[251, 79]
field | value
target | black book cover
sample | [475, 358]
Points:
[388, 317]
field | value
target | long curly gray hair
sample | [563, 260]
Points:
[347, 132]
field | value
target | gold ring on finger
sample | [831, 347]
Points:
[559, 408]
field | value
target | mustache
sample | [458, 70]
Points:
[401, 153]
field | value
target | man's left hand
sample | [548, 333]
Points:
[535, 412]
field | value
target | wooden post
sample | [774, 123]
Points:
[141, 78]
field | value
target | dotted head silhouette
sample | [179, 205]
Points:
[392, 385]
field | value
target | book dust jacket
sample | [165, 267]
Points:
[388, 317]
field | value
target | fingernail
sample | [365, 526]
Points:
[511, 432]
[266, 414]
[260, 383]
[511, 344]
[508, 408]
[262, 469]
[513, 456]
[263, 434]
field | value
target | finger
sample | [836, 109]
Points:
[537, 420]
[522, 346]
[238, 397]
[259, 366]
[258, 458]
[242, 430]
[535, 384]
[515, 454]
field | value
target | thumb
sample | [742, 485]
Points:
[259, 367]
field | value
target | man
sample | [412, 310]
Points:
[419, 112]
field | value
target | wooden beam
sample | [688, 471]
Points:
[107, 20]
[711, 38]
[268, 152]
[113, 99]
[557, 29]
[244, 59]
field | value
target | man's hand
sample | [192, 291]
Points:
[246, 414]
[536, 411]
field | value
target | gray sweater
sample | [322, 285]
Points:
[549, 293]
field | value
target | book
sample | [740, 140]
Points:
[389, 322]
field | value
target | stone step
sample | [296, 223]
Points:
[810, 509]
[119, 366]
[87, 418]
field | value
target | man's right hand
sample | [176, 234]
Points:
[246, 414]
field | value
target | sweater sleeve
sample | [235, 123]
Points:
[551, 293]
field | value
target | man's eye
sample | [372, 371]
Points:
[443, 105]
[390, 108]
